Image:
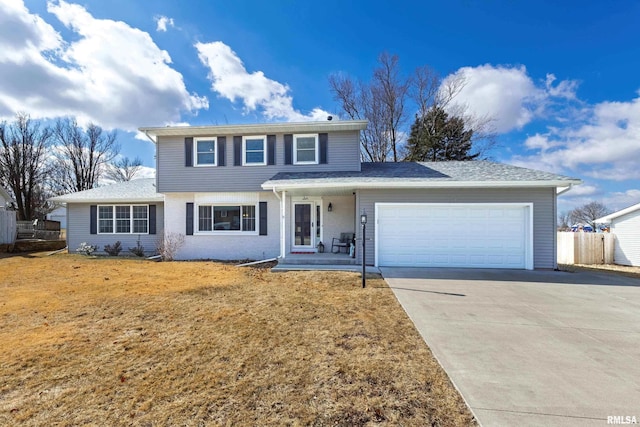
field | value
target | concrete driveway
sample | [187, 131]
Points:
[531, 347]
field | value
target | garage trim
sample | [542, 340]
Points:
[528, 219]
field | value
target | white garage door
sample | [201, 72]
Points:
[453, 235]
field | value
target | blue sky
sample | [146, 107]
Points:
[561, 80]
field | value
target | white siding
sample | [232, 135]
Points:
[224, 247]
[543, 200]
[627, 241]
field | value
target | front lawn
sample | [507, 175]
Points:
[123, 341]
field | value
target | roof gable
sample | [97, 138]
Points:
[618, 214]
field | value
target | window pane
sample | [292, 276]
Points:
[106, 226]
[306, 155]
[105, 212]
[123, 214]
[249, 218]
[140, 226]
[306, 142]
[206, 159]
[226, 217]
[206, 152]
[105, 219]
[254, 144]
[255, 157]
[206, 146]
[140, 212]
[204, 218]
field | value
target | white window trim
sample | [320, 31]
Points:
[264, 150]
[195, 151]
[197, 231]
[295, 148]
[113, 219]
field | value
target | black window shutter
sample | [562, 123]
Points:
[324, 142]
[262, 208]
[188, 152]
[222, 145]
[93, 220]
[271, 149]
[152, 219]
[189, 219]
[288, 149]
[237, 151]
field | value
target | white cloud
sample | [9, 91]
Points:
[606, 145]
[162, 22]
[230, 79]
[109, 73]
[507, 94]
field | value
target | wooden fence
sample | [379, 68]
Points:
[585, 248]
[40, 229]
[7, 226]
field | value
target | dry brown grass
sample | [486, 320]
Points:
[123, 341]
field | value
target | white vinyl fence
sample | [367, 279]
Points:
[7, 227]
[585, 248]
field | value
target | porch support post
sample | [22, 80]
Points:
[283, 230]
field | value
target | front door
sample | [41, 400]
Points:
[303, 225]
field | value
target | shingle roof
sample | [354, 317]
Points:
[427, 174]
[139, 190]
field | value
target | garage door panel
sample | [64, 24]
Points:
[424, 235]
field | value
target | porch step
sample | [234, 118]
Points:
[317, 259]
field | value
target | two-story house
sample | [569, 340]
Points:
[276, 189]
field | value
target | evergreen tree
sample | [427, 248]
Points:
[438, 137]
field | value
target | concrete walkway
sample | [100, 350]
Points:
[531, 347]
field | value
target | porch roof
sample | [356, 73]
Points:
[452, 174]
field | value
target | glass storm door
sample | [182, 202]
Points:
[302, 225]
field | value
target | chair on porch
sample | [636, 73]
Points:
[343, 241]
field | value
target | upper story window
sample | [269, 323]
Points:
[205, 149]
[123, 219]
[305, 149]
[254, 150]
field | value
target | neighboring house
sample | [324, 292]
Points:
[59, 214]
[270, 190]
[5, 198]
[625, 224]
[125, 212]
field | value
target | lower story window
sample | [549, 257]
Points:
[123, 219]
[227, 218]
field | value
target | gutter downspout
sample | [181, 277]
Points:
[147, 135]
[564, 190]
[282, 220]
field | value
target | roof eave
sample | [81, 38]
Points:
[421, 184]
[608, 218]
[62, 199]
[339, 125]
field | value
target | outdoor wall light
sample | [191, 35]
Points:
[330, 207]
[363, 218]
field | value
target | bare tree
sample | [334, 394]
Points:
[23, 163]
[82, 155]
[588, 213]
[384, 103]
[381, 102]
[564, 221]
[123, 169]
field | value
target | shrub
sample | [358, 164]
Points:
[138, 250]
[169, 244]
[113, 250]
[86, 249]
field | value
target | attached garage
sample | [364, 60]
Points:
[461, 235]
